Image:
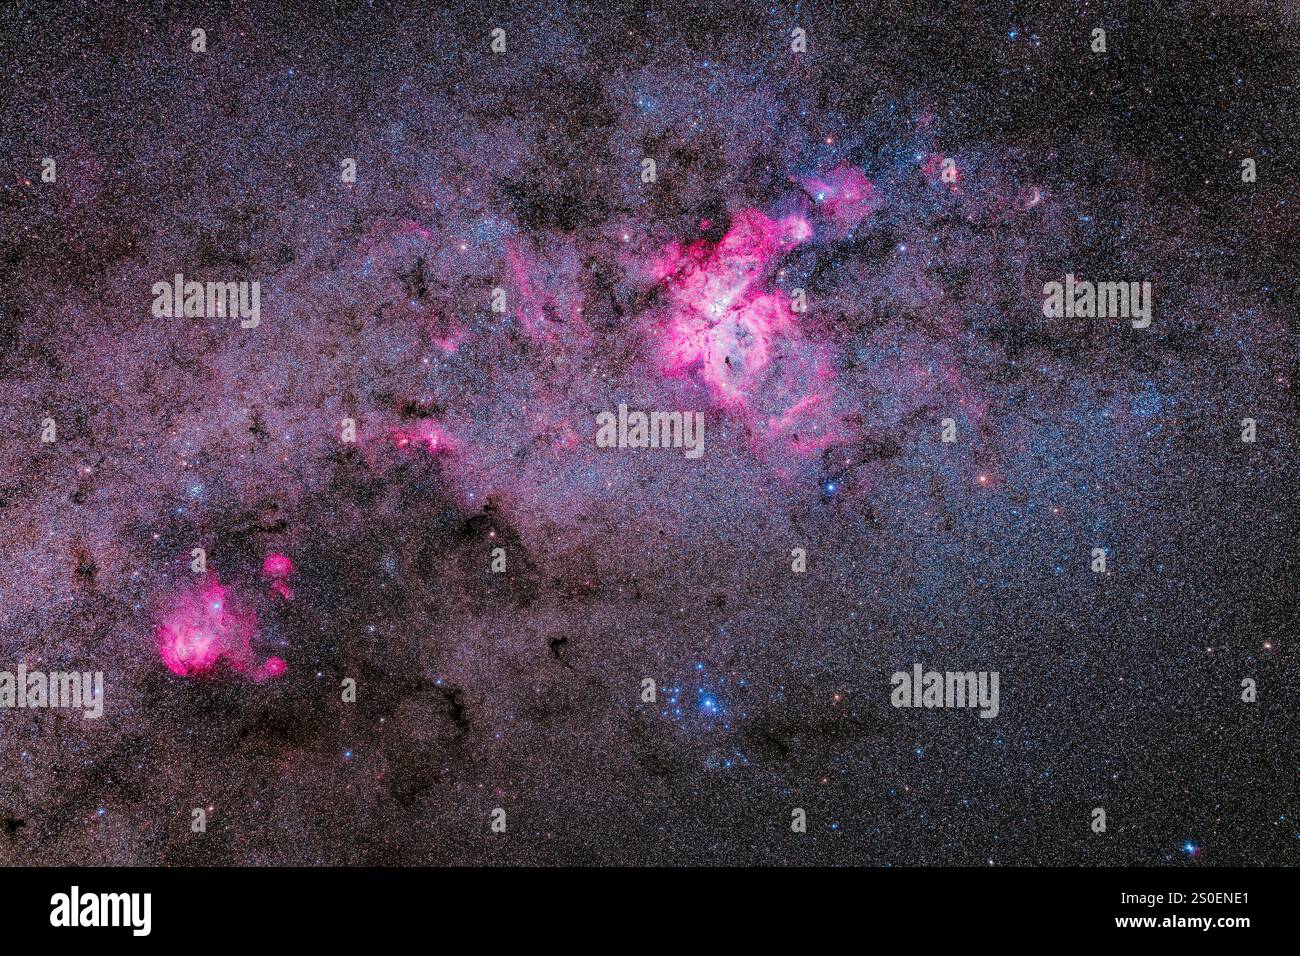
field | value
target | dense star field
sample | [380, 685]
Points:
[833, 251]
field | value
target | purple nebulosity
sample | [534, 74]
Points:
[840, 263]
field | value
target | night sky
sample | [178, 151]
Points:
[920, 172]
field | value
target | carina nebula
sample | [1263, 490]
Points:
[718, 433]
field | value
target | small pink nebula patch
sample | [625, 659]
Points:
[277, 566]
[426, 433]
[844, 194]
[205, 626]
[941, 170]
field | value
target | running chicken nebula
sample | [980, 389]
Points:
[358, 575]
[205, 627]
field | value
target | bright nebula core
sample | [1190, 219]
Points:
[359, 574]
